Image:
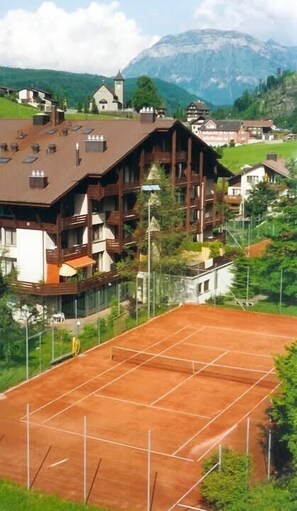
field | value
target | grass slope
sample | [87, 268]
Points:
[15, 498]
[11, 110]
[235, 157]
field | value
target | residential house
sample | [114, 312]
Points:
[197, 109]
[68, 193]
[109, 99]
[272, 170]
[259, 129]
[220, 133]
[37, 98]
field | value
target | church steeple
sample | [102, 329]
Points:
[119, 88]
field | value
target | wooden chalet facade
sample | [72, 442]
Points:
[68, 191]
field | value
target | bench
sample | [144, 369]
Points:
[60, 359]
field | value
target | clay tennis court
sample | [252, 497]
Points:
[124, 429]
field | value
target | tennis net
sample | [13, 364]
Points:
[194, 367]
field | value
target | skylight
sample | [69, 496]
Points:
[4, 160]
[86, 131]
[29, 159]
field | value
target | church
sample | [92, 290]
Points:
[108, 99]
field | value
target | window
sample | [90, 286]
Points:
[8, 265]
[199, 289]
[252, 179]
[206, 285]
[97, 232]
[10, 237]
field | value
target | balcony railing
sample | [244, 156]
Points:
[117, 246]
[73, 221]
[131, 186]
[233, 199]
[66, 288]
[52, 255]
[114, 217]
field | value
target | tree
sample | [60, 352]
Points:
[145, 94]
[167, 241]
[226, 488]
[260, 198]
[284, 403]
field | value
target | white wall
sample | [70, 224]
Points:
[30, 251]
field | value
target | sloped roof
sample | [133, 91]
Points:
[122, 136]
[119, 76]
[223, 125]
[258, 123]
[278, 166]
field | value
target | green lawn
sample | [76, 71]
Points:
[11, 110]
[235, 157]
[16, 498]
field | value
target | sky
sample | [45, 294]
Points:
[103, 36]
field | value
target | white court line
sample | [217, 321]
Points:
[231, 351]
[189, 378]
[223, 411]
[58, 462]
[73, 389]
[249, 332]
[112, 381]
[245, 416]
[113, 442]
[172, 410]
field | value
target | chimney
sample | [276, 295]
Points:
[96, 144]
[51, 148]
[147, 115]
[64, 131]
[35, 148]
[3, 147]
[14, 147]
[272, 156]
[38, 179]
[77, 158]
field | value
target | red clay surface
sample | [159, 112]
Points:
[188, 415]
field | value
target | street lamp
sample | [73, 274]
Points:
[149, 188]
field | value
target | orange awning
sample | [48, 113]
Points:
[69, 269]
[80, 262]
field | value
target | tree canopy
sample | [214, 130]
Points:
[146, 94]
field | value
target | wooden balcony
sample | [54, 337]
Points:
[52, 255]
[116, 246]
[98, 192]
[66, 288]
[165, 157]
[73, 222]
[209, 197]
[114, 217]
[131, 186]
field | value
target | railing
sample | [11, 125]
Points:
[165, 157]
[116, 246]
[73, 221]
[66, 288]
[131, 186]
[209, 197]
[114, 217]
[52, 255]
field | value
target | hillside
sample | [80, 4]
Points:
[77, 87]
[235, 157]
[276, 98]
[215, 65]
[11, 110]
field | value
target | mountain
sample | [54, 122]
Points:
[77, 87]
[216, 65]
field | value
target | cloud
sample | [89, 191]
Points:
[98, 39]
[264, 20]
